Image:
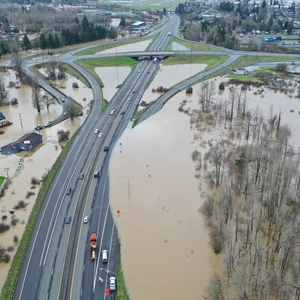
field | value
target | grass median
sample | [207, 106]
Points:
[13, 274]
[101, 48]
[90, 64]
[121, 292]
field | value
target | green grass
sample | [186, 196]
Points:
[2, 179]
[149, 5]
[104, 104]
[100, 48]
[121, 292]
[192, 46]
[70, 70]
[11, 281]
[90, 64]
[253, 75]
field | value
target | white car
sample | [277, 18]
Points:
[96, 131]
[48, 124]
[100, 134]
[128, 99]
[112, 284]
[139, 71]
[86, 220]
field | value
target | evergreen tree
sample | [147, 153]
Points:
[76, 20]
[122, 22]
[56, 41]
[85, 24]
[43, 41]
[290, 27]
[50, 41]
[26, 43]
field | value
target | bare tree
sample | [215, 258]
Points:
[48, 101]
[206, 94]
[3, 93]
[72, 110]
[36, 97]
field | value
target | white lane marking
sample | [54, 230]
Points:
[30, 256]
[104, 224]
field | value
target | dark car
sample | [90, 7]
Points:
[123, 112]
[81, 176]
[39, 127]
[69, 190]
[68, 220]
[106, 148]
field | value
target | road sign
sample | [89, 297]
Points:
[118, 211]
[120, 144]
[106, 292]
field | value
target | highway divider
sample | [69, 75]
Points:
[15, 268]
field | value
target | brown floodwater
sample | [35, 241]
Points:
[165, 77]
[165, 251]
[139, 46]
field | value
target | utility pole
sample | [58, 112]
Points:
[21, 120]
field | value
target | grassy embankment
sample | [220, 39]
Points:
[121, 293]
[11, 281]
[100, 48]
[90, 64]
[1, 180]
[191, 46]
[247, 61]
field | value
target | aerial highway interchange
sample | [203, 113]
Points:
[58, 261]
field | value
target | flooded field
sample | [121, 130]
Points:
[139, 46]
[36, 162]
[162, 232]
[165, 77]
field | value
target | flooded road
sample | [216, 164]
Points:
[164, 240]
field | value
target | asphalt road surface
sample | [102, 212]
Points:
[58, 262]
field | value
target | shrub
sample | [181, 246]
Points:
[29, 194]
[15, 239]
[14, 101]
[11, 212]
[4, 227]
[244, 87]
[10, 248]
[282, 68]
[160, 89]
[34, 180]
[14, 221]
[75, 85]
[1, 131]
[222, 86]
[20, 204]
[189, 90]
[153, 90]
[4, 217]
[6, 258]
[63, 135]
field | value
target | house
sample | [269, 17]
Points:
[239, 71]
[2, 119]
[27, 142]
[138, 25]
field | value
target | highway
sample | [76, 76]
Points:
[58, 262]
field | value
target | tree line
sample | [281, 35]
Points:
[80, 32]
[253, 209]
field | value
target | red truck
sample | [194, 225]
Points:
[93, 243]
